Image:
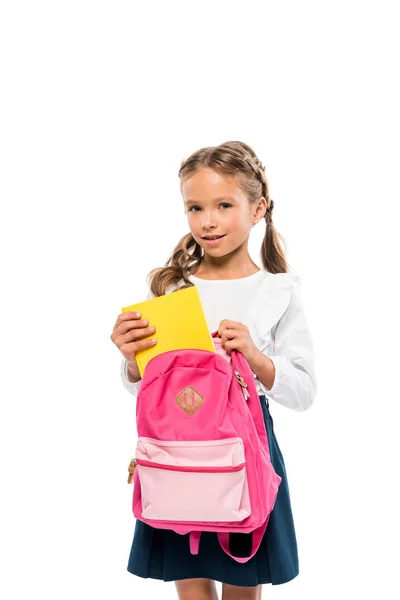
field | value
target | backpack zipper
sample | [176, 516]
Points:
[192, 469]
[243, 384]
[131, 469]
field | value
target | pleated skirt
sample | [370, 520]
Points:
[165, 555]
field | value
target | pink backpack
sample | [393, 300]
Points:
[202, 456]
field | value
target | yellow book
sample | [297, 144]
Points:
[180, 323]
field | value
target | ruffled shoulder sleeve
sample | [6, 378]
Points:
[279, 328]
[271, 301]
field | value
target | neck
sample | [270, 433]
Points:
[224, 272]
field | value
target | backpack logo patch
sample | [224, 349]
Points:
[189, 400]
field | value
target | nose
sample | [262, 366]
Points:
[208, 222]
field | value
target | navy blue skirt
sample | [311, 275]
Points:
[164, 554]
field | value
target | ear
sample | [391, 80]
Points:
[260, 210]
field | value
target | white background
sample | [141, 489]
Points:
[100, 102]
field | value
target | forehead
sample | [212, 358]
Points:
[207, 185]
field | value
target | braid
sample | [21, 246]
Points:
[259, 170]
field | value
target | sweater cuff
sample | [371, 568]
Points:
[279, 364]
[132, 387]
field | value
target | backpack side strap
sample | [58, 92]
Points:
[194, 540]
[257, 536]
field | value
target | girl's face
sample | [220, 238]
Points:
[217, 206]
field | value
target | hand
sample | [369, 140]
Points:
[236, 336]
[127, 333]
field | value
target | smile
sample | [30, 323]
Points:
[213, 242]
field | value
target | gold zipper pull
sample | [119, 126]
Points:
[243, 384]
[131, 469]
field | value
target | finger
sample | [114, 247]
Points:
[133, 347]
[135, 335]
[126, 326]
[232, 345]
[228, 334]
[230, 323]
[227, 324]
[126, 316]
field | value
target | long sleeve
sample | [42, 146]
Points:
[132, 388]
[295, 383]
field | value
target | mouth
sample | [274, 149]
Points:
[213, 241]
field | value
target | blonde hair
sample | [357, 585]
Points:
[235, 159]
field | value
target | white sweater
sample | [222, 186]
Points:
[270, 306]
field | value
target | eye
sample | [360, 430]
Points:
[194, 206]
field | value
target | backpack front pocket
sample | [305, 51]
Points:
[193, 480]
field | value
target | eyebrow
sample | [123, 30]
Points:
[190, 201]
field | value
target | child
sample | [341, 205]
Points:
[256, 311]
